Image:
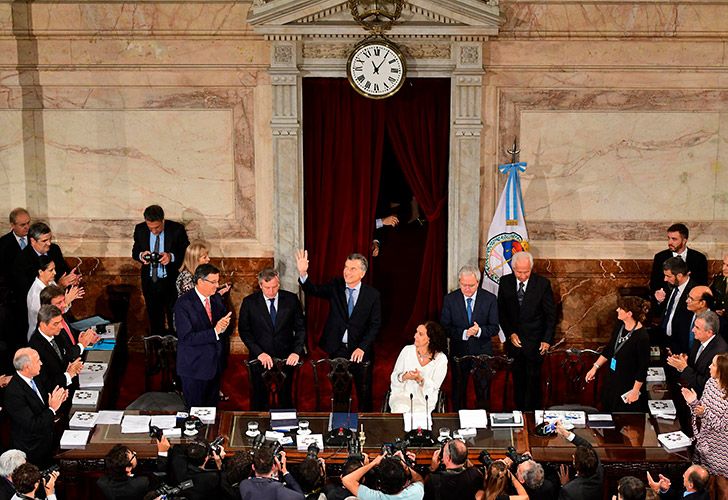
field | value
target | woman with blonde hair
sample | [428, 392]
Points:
[498, 478]
[198, 252]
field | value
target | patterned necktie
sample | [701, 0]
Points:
[55, 348]
[208, 310]
[521, 293]
[273, 311]
[469, 301]
[23, 243]
[350, 302]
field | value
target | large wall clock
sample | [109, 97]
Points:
[376, 68]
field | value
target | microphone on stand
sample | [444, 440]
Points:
[412, 413]
[427, 411]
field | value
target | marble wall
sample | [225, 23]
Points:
[620, 108]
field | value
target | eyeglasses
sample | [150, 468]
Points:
[133, 456]
[211, 282]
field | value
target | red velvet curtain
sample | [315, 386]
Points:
[343, 137]
[419, 130]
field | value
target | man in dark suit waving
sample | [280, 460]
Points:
[159, 245]
[271, 324]
[201, 318]
[31, 409]
[470, 317]
[528, 318]
[355, 316]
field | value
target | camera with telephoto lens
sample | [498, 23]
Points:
[46, 473]
[485, 458]
[155, 432]
[257, 443]
[354, 448]
[165, 491]
[313, 451]
[277, 448]
[443, 444]
[517, 458]
[216, 445]
[152, 258]
[389, 449]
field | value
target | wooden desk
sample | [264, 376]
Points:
[107, 394]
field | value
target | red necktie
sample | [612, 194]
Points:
[207, 308]
[68, 331]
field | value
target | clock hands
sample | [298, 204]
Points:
[376, 67]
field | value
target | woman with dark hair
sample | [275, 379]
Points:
[498, 480]
[711, 410]
[626, 357]
[419, 371]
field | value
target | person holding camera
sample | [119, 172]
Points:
[589, 480]
[119, 482]
[311, 475]
[497, 480]
[335, 490]
[28, 478]
[452, 474]
[532, 476]
[265, 485]
[159, 245]
[207, 483]
[396, 480]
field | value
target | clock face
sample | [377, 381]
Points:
[376, 69]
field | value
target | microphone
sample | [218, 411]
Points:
[412, 414]
[427, 412]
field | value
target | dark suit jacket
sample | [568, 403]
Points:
[53, 369]
[256, 328]
[584, 487]
[454, 319]
[695, 375]
[7, 490]
[9, 251]
[697, 265]
[681, 319]
[25, 268]
[175, 242]
[535, 320]
[126, 488]
[31, 420]
[677, 493]
[365, 320]
[206, 483]
[199, 352]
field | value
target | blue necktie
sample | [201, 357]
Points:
[469, 301]
[350, 302]
[35, 388]
[23, 243]
[691, 341]
[273, 311]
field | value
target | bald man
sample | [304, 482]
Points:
[695, 483]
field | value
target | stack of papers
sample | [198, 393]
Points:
[569, 418]
[656, 374]
[303, 442]
[91, 380]
[662, 408]
[601, 421]
[164, 421]
[674, 440]
[135, 424]
[74, 440]
[206, 414]
[508, 419]
[85, 398]
[283, 420]
[82, 420]
[110, 417]
[473, 419]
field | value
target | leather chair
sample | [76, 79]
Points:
[341, 380]
[495, 370]
[274, 379]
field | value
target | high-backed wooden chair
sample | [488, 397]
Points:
[160, 358]
[493, 370]
[341, 379]
[564, 373]
[274, 379]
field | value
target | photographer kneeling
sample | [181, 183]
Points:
[207, 483]
[27, 478]
[452, 474]
[265, 485]
[396, 480]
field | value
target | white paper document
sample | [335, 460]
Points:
[134, 424]
[88, 380]
[85, 398]
[473, 419]
[416, 420]
[164, 421]
[82, 420]
[507, 419]
[110, 417]
[303, 442]
[73, 440]
[674, 440]
[568, 417]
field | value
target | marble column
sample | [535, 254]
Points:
[465, 158]
[288, 203]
